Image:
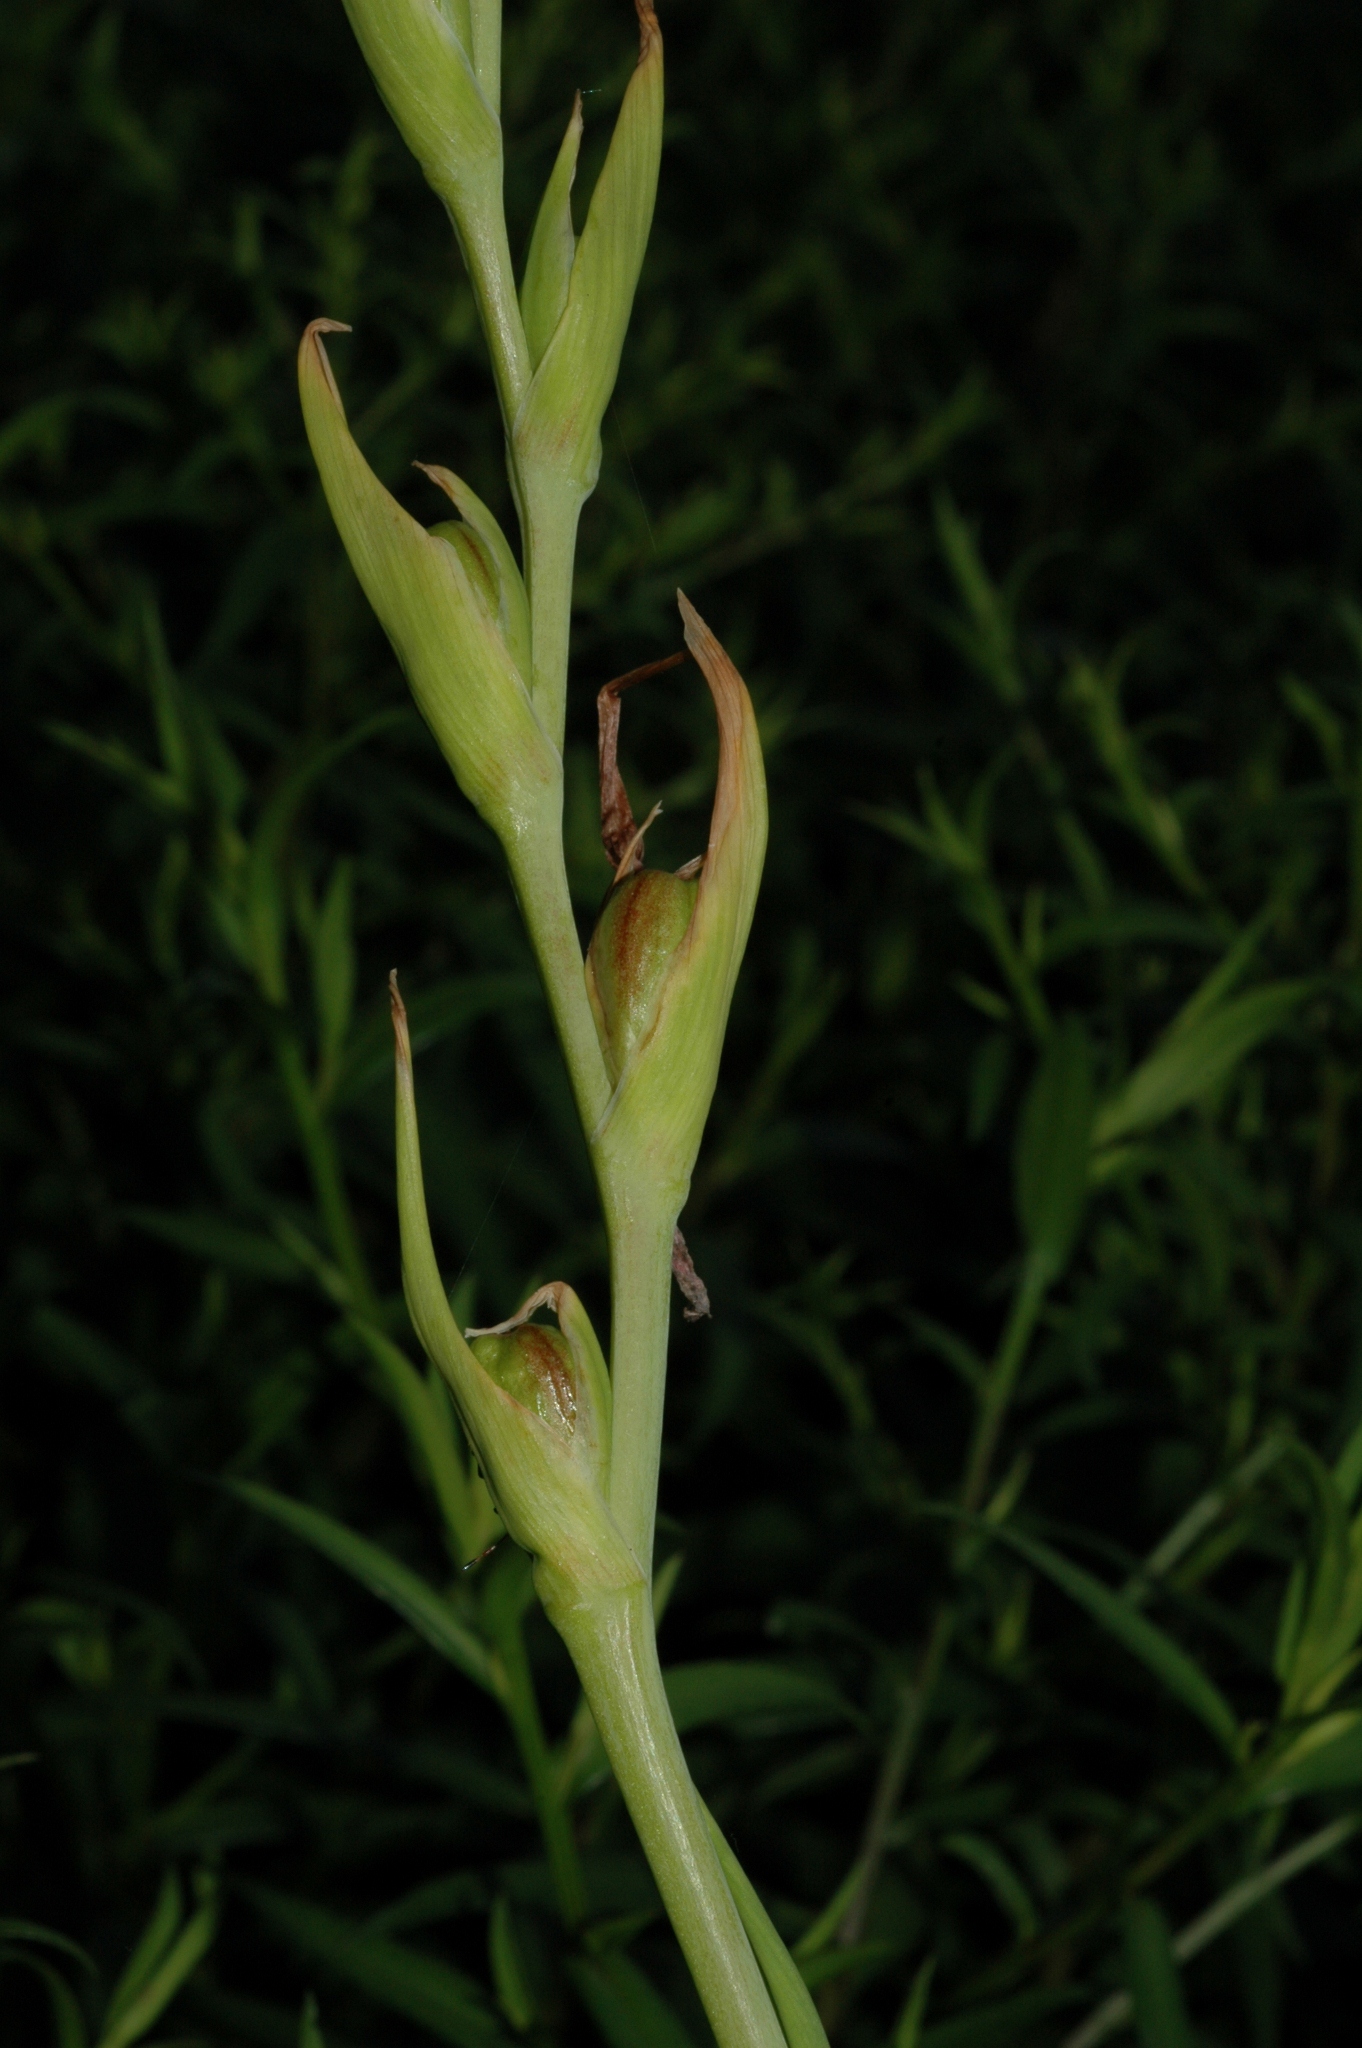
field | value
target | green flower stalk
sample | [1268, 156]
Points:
[568, 1449]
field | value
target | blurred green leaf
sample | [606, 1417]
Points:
[419, 1605]
[67, 2019]
[1189, 1063]
[628, 2010]
[509, 1978]
[987, 1860]
[1169, 1663]
[333, 971]
[1054, 1140]
[433, 1994]
[1155, 1982]
[908, 2030]
[1003, 2023]
[220, 1242]
[702, 1693]
[163, 1962]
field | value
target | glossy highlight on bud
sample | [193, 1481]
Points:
[645, 918]
[534, 1366]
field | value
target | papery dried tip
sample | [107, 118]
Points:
[550, 1296]
[632, 857]
[688, 1280]
[312, 343]
[649, 33]
[617, 818]
[399, 1015]
[441, 478]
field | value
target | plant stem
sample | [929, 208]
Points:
[640, 1292]
[540, 880]
[551, 508]
[323, 1161]
[522, 1711]
[1001, 1383]
[487, 258]
[609, 1632]
[914, 1700]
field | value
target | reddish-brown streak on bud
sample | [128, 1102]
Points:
[533, 1364]
[543, 1353]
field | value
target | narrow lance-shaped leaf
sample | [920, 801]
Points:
[419, 1605]
[1054, 1142]
[1157, 1651]
[151, 1948]
[174, 1969]
[627, 2009]
[1190, 1063]
[436, 1996]
[1155, 1984]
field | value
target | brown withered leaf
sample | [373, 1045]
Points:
[689, 1281]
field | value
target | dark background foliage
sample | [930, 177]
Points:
[987, 357]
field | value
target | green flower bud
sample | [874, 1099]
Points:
[664, 959]
[535, 1402]
[561, 1374]
[645, 918]
[453, 606]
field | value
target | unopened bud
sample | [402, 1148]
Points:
[534, 1366]
[645, 919]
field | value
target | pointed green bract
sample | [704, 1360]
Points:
[558, 427]
[490, 561]
[553, 245]
[544, 1477]
[555, 431]
[441, 621]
